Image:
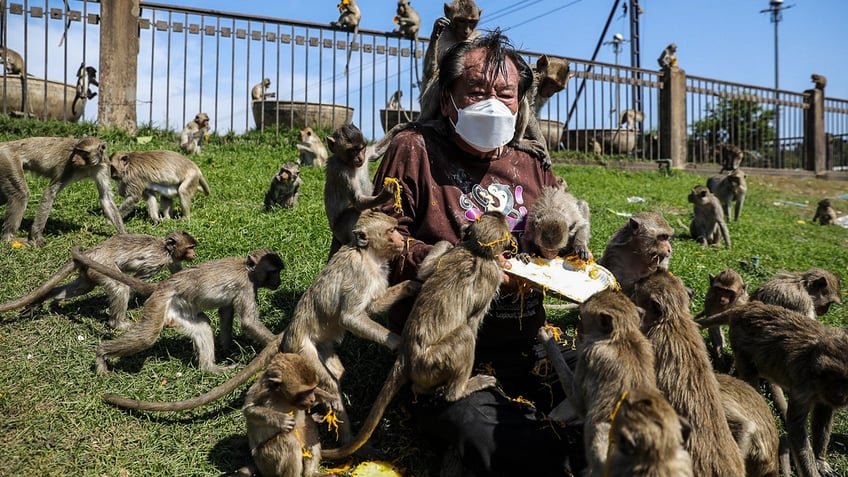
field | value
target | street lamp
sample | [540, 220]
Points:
[616, 42]
[776, 8]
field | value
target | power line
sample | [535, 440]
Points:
[509, 10]
[545, 14]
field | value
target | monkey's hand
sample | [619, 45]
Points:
[284, 422]
[535, 148]
[582, 252]
[825, 470]
[524, 257]
[438, 27]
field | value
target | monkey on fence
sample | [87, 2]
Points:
[140, 255]
[667, 58]
[284, 190]
[311, 149]
[260, 92]
[86, 78]
[143, 174]
[228, 284]
[63, 161]
[408, 21]
[349, 18]
[193, 134]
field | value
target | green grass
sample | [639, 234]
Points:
[52, 421]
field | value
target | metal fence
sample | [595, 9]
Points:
[193, 60]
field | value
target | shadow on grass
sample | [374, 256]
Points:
[230, 453]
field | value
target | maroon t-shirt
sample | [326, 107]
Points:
[445, 188]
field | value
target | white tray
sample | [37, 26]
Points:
[569, 278]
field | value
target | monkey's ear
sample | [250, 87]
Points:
[712, 277]
[250, 262]
[331, 143]
[448, 10]
[818, 283]
[542, 62]
[170, 242]
[634, 224]
[360, 238]
[124, 158]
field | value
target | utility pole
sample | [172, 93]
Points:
[616, 42]
[776, 9]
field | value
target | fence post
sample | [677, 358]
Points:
[118, 64]
[672, 120]
[815, 144]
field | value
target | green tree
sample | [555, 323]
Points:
[740, 121]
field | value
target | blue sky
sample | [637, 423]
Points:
[722, 39]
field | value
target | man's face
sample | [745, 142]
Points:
[475, 86]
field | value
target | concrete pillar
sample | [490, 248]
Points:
[672, 120]
[118, 64]
[815, 143]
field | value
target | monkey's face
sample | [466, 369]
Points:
[463, 27]
[303, 397]
[395, 241]
[723, 296]
[355, 156]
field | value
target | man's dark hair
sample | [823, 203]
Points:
[498, 49]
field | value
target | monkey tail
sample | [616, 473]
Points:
[350, 49]
[255, 366]
[396, 379]
[136, 284]
[204, 185]
[39, 292]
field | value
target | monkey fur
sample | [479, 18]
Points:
[349, 18]
[140, 255]
[408, 21]
[285, 188]
[143, 174]
[259, 92]
[727, 188]
[729, 155]
[312, 151]
[228, 284]
[193, 133]
[61, 160]
[726, 290]
[351, 288]
[708, 225]
[437, 345]
[550, 76]
[810, 292]
[825, 214]
[557, 226]
[640, 247]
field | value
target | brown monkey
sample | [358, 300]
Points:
[685, 375]
[707, 218]
[825, 214]
[283, 439]
[349, 18]
[312, 151]
[648, 438]
[259, 92]
[752, 425]
[629, 118]
[394, 101]
[810, 292]
[86, 78]
[12, 61]
[459, 24]
[667, 58]
[348, 189]
[140, 255]
[638, 248]
[727, 188]
[193, 133]
[613, 356]
[727, 289]
[351, 288]
[557, 225]
[285, 187]
[820, 81]
[802, 356]
[550, 76]
[438, 340]
[228, 284]
[63, 161]
[730, 156]
[143, 174]
[407, 20]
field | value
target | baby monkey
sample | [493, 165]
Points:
[558, 225]
[825, 215]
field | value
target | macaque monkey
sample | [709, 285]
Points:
[613, 357]
[810, 292]
[193, 134]
[820, 81]
[753, 427]
[283, 440]
[285, 188]
[727, 289]
[348, 189]
[12, 61]
[86, 78]
[557, 226]
[394, 101]
[312, 151]
[228, 284]
[140, 255]
[436, 351]
[708, 225]
[667, 58]
[629, 118]
[407, 20]
[727, 188]
[349, 18]
[685, 375]
[143, 174]
[803, 356]
[260, 90]
[825, 215]
[550, 76]
[637, 249]
[351, 288]
[63, 161]
[729, 155]
[648, 438]
[459, 24]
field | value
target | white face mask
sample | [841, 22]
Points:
[486, 125]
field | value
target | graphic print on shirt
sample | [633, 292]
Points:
[495, 197]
